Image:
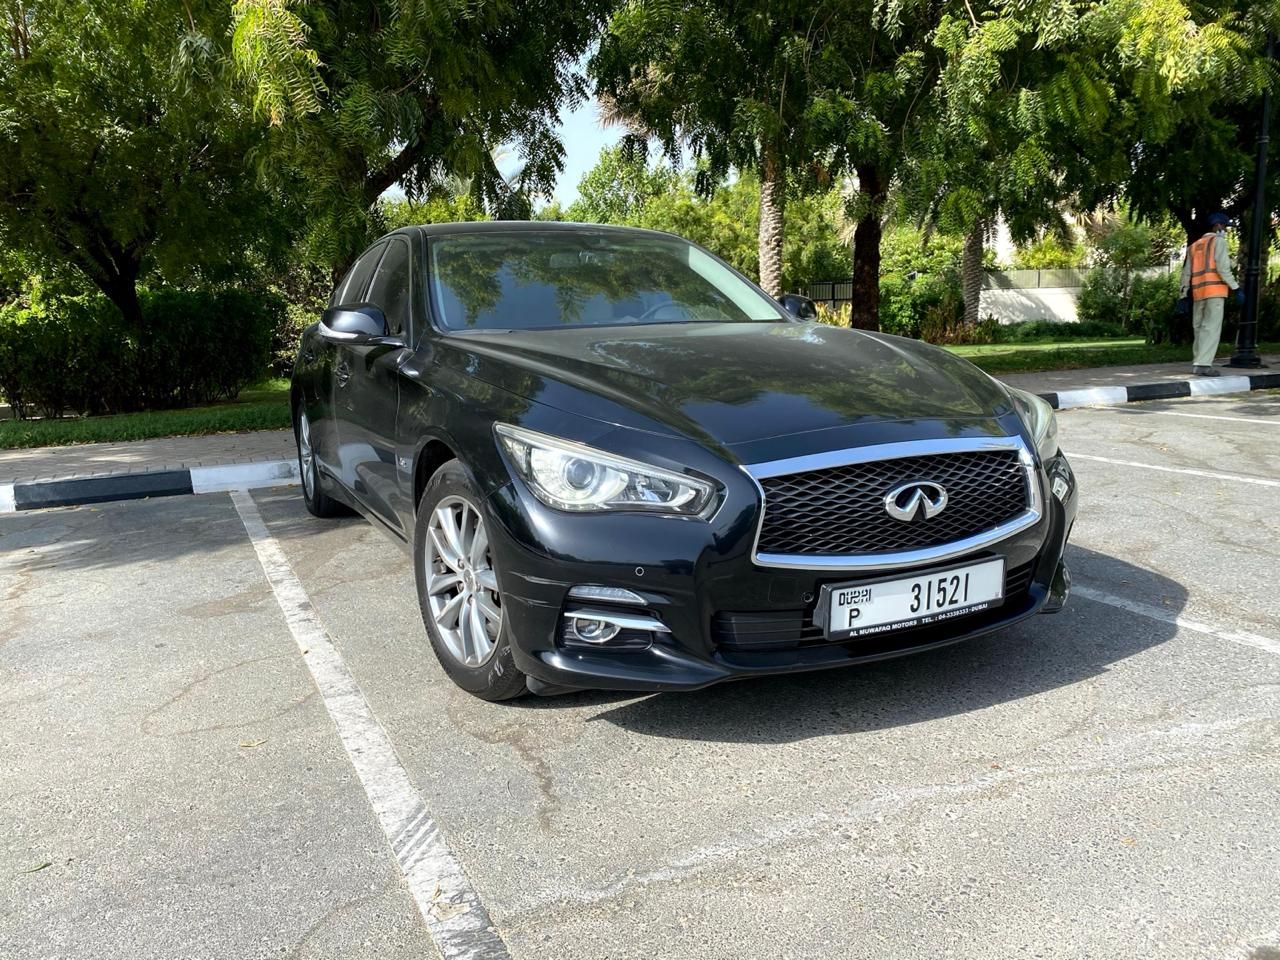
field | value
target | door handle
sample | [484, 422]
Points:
[343, 373]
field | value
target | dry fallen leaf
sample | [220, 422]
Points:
[252, 743]
[1128, 841]
[37, 868]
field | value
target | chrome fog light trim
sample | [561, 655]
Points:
[587, 591]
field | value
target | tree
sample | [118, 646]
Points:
[364, 95]
[732, 81]
[619, 186]
[723, 217]
[1195, 154]
[123, 144]
[874, 103]
[1048, 104]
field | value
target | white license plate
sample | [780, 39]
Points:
[859, 609]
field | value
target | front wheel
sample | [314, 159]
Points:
[319, 504]
[458, 592]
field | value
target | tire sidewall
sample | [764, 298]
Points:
[498, 677]
[318, 503]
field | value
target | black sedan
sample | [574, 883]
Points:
[618, 464]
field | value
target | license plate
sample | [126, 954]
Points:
[900, 603]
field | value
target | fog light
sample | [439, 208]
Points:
[588, 630]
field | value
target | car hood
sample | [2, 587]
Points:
[735, 383]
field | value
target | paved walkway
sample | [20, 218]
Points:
[178, 453]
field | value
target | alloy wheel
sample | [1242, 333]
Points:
[307, 456]
[462, 587]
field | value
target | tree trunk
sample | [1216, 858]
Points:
[971, 272]
[123, 292]
[773, 198]
[865, 309]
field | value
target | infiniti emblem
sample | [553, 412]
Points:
[918, 499]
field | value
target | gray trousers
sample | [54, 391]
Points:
[1206, 320]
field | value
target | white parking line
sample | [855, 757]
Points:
[1236, 477]
[1242, 637]
[1209, 416]
[458, 921]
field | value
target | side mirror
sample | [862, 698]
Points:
[802, 308]
[357, 323]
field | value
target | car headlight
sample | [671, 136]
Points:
[1039, 418]
[573, 476]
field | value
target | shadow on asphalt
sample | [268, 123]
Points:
[1031, 658]
[1037, 656]
[148, 531]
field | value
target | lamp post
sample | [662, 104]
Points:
[1246, 353]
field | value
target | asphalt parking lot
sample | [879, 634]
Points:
[1101, 783]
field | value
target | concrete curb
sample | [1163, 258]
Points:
[39, 494]
[1166, 390]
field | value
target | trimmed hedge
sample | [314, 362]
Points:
[76, 355]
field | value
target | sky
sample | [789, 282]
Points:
[583, 139]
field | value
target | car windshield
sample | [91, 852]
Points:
[528, 280]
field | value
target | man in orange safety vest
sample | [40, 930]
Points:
[1207, 279]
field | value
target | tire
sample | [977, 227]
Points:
[319, 504]
[462, 586]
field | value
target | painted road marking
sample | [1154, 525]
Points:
[7, 504]
[1236, 477]
[458, 921]
[1209, 416]
[1241, 637]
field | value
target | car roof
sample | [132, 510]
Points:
[524, 226]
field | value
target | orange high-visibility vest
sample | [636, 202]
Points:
[1206, 282]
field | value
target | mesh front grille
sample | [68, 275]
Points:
[840, 510]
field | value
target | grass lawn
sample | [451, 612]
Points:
[262, 407]
[1074, 355]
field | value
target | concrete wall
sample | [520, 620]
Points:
[1041, 303]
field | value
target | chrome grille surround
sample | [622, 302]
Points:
[888, 560]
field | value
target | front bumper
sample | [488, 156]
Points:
[728, 617]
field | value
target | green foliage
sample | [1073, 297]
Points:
[1142, 305]
[79, 355]
[724, 219]
[123, 145]
[437, 208]
[840, 315]
[361, 96]
[1048, 331]
[792, 92]
[265, 408]
[1048, 253]
[919, 281]
[1152, 310]
[1102, 299]
[619, 187]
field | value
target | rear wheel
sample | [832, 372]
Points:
[318, 503]
[458, 590]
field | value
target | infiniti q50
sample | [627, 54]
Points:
[617, 463]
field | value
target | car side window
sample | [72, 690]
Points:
[356, 282]
[390, 289]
